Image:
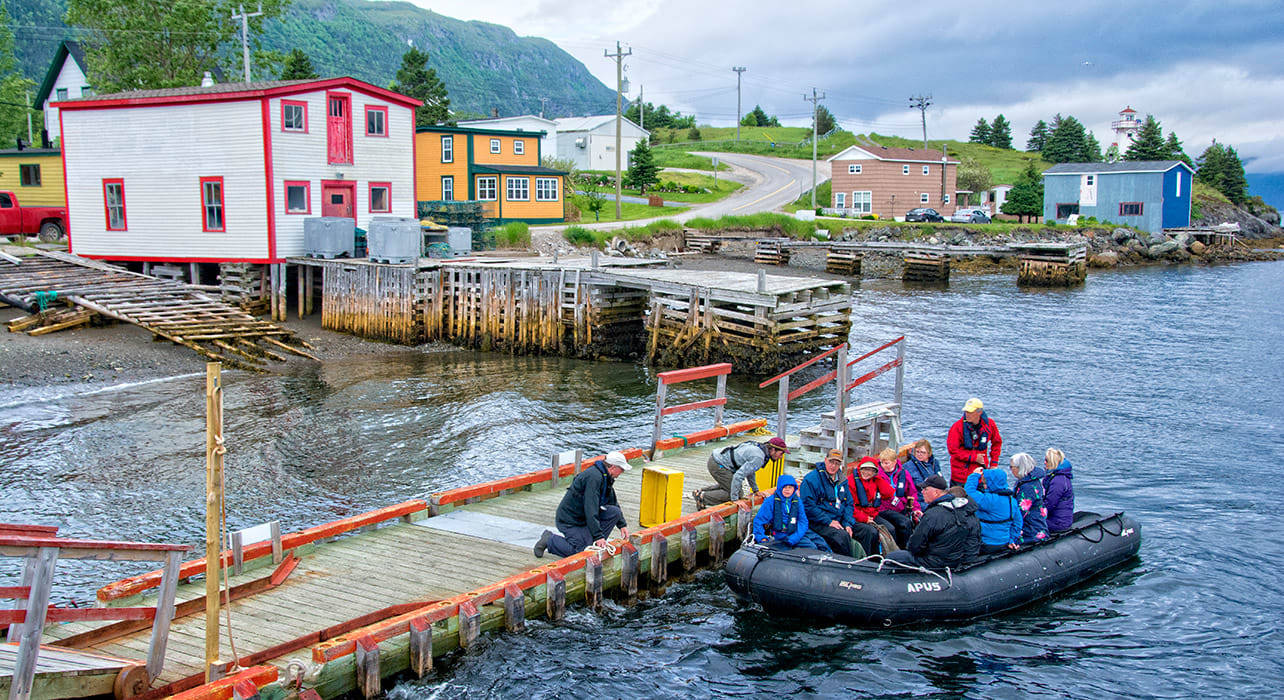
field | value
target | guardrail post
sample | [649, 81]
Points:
[24, 669]
[900, 374]
[557, 469]
[722, 394]
[840, 405]
[660, 392]
[421, 646]
[782, 407]
[164, 614]
[579, 461]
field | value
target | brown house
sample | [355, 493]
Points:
[888, 182]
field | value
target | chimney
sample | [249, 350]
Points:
[21, 145]
[44, 139]
[207, 80]
[494, 112]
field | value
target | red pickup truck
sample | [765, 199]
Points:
[50, 223]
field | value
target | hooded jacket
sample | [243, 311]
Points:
[997, 510]
[948, 534]
[825, 499]
[877, 491]
[581, 506]
[1029, 495]
[1059, 497]
[919, 470]
[905, 496]
[782, 518]
[965, 454]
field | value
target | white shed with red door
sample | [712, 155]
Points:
[229, 172]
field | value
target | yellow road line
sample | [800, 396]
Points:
[742, 206]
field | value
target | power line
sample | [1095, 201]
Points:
[921, 103]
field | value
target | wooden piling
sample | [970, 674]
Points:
[421, 646]
[514, 609]
[555, 596]
[926, 267]
[369, 680]
[1052, 265]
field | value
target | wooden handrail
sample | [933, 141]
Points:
[27, 530]
[675, 376]
[808, 363]
[62, 543]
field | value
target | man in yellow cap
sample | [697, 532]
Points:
[973, 442]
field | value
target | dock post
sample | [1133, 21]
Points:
[717, 532]
[579, 461]
[629, 571]
[556, 596]
[557, 470]
[421, 646]
[782, 407]
[659, 560]
[742, 521]
[367, 659]
[514, 609]
[593, 259]
[593, 581]
[840, 404]
[762, 281]
[469, 624]
[687, 543]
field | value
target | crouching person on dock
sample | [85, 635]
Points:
[732, 466]
[828, 502]
[589, 510]
[948, 534]
[781, 522]
[997, 510]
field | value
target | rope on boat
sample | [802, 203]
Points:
[911, 567]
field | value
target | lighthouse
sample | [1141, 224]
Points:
[1125, 128]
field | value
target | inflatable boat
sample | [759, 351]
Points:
[872, 592]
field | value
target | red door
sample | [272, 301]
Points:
[337, 199]
[339, 127]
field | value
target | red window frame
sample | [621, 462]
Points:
[295, 103]
[384, 110]
[222, 205]
[370, 197]
[124, 218]
[1141, 208]
[307, 188]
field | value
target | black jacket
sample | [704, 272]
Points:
[590, 490]
[948, 534]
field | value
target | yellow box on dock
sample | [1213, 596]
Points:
[661, 495]
[769, 474]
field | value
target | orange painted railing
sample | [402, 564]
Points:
[223, 688]
[677, 376]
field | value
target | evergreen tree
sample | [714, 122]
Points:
[415, 79]
[1001, 133]
[643, 172]
[13, 89]
[298, 66]
[1211, 165]
[1174, 151]
[1234, 184]
[1026, 196]
[1149, 143]
[1066, 141]
[980, 132]
[757, 117]
[825, 122]
[1038, 137]
[1091, 149]
[1112, 153]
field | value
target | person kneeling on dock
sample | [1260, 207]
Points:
[948, 534]
[781, 522]
[731, 466]
[589, 510]
[828, 503]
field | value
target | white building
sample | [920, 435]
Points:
[229, 172]
[65, 80]
[1125, 128]
[590, 141]
[525, 122]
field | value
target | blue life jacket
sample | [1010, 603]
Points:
[974, 435]
[863, 498]
[785, 508]
[898, 477]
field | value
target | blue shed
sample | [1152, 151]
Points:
[1151, 195]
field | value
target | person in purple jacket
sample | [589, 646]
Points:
[1058, 491]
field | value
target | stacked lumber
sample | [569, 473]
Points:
[843, 260]
[926, 267]
[51, 321]
[772, 251]
[242, 284]
[1052, 265]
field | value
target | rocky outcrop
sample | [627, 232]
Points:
[1212, 212]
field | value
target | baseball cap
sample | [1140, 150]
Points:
[834, 454]
[973, 404]
[617, 459]
[936, 481]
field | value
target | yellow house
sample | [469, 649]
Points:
[498, 168]
[34, 175]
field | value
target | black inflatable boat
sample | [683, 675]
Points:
[819, 585]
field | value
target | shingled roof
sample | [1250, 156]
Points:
[1124, 166]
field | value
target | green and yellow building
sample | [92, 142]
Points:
[499, 168]
[35, 175]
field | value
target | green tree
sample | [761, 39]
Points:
[980, 132]
[1234, 184]
[1112, 153]
[415, 79]
[298, 66]
[168, 44]
[1001, 133]
[1091, 148]
[1026, 196]
[1038, 137]
[643, 172]
[1149, 143]
[1066, 141]
[825, 121]
[973, 176]
[757, 117]
[13, 88]
[1173, 150]
[660, 117]
[594, 200]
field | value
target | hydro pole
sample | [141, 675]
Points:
[738, 70]
[245, 35]
[619, 115]
[815, 101]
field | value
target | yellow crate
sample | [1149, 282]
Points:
[769, 474]
[661, 495]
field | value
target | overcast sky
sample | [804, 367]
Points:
[1205, 69]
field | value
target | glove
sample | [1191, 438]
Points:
[766, 540]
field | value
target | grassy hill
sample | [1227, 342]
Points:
[485, 66]
[1005, 164]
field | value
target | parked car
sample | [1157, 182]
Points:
[50, 223]
[923, 214]
[970, 215]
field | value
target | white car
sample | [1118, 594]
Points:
[970, 215]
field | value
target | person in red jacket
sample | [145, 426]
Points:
[973, 442]
[870, 490]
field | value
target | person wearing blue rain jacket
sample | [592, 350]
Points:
[921, 464]
[781, 522]
[998, 511]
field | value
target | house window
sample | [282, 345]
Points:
[298, 197]
[519, 147]
[448, 149]
[1130, 209]
[927, 169]
[922, 198]
[905, 170]
[1092, 180]
[1064, 210]
[853, 169]
[86, 91]
[945, 199]
[494, 145]
[863, 202]
[376, 121]
[294, 116]
[448, 187]
[380, 197]
[61, 93]
[212, 204]
[486, 189]
[114, 204]
[546, 189]
[840, 200]
[519, 189]
[29, 175]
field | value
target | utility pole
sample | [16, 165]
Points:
[738, 70]
[921, 103]
[29, 135]
[641, 107]
[542, 100]
[815, 101]
[245, 35]
[619, 116]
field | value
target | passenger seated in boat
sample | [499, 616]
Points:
[870, 489]
[1058, 491]
[903, 509]
[997, 510]
[921, 463]
[781, 522]
[589, 510]
[948, 534]
[828, 502]
[1029, 494]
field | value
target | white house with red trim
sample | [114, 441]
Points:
[229, 172]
